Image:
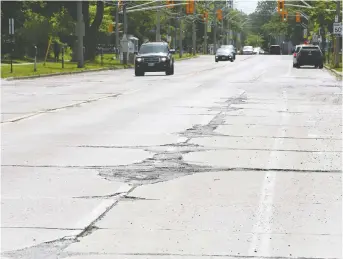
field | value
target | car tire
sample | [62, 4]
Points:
[170, 71]
[294, 65]
[321, 66]
[139, 73]
[216, 61]
[231, 60]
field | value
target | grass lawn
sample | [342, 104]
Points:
[53, 67]
[331, 66]
[23, 70]
[185, 55]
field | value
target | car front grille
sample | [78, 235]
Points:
[151, 60]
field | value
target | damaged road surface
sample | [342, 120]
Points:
[210, 162]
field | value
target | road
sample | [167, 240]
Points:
[220, 160]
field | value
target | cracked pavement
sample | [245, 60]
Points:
[222, 160]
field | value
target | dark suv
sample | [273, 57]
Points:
[154, 57]
[309, 55]
[275, 50]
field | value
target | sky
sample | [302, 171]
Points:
[247, 6]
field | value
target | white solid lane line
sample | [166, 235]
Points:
[261, 237]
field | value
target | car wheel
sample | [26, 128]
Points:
[216, 60]
[294, 65]
[139, 73]
[321, 66]
[170, 71]
[231, 60]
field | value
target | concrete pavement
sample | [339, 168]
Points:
[220, 160]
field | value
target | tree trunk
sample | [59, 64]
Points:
[92, 30]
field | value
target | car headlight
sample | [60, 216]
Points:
[163, 59]
[138, 59]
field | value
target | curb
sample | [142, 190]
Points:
[75, 72]
[334, 71]
[186, 58]
[63, 73]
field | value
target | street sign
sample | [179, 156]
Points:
[11, 26]
[337, 28]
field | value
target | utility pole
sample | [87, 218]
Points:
[158, 26]
[205, 33]
[125, 19]
[222, 34]
[337, 45]
[215, 29]
[194, 39]
[175, 34]
[117, 30]
[125, 33]
[180, 39]
[80, 33]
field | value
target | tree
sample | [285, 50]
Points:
[92, 26]
[254, 40]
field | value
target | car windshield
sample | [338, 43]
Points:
[152, 48]
[223, 50]
[248, 48]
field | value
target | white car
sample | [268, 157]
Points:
[295, 53]
[248, 50]
[257, 50]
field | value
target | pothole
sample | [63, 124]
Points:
[167, 162]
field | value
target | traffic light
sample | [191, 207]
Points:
[297, 17]
[284, 17]
[281, 6]
[205, 16]
[190, 7]
[110, 27]
[219, 14]
[170, 3]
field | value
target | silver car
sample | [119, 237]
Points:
[248, 50]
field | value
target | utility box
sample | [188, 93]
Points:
[129, 45]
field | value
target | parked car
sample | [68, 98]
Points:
[225, 54]
[275, 50]
[248, 50]
[154, 57]
[309, 55]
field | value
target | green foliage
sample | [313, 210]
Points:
[254, 40]
[274, 26]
